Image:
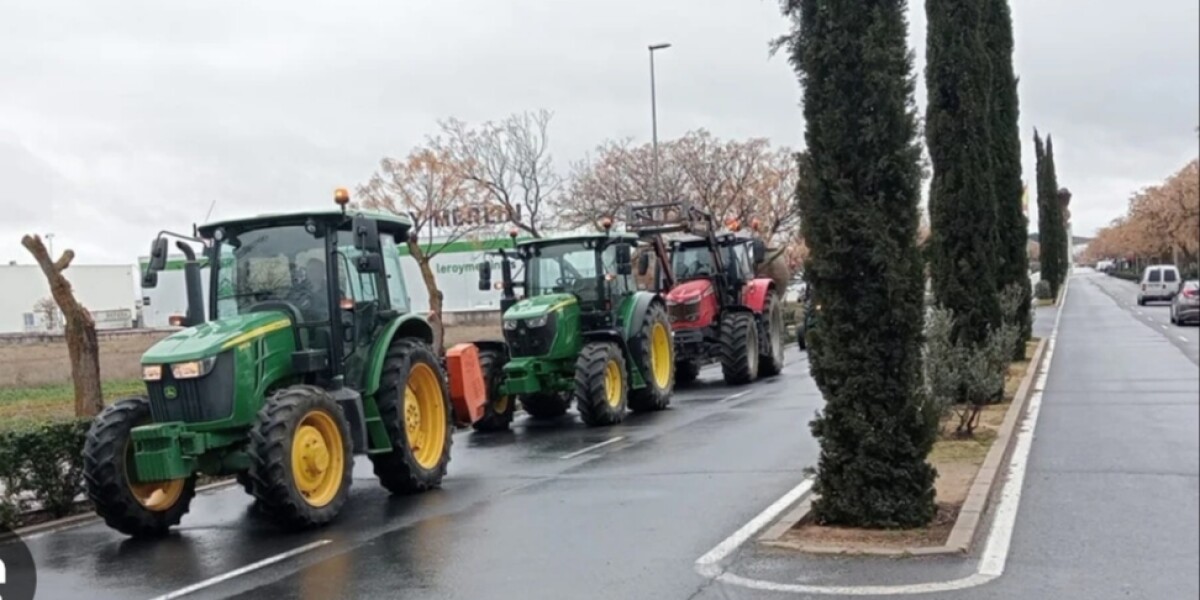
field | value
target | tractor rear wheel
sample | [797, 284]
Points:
[601, 389]
[135, 509]
[414, 406]
[657, 362]
[546, 405]
[686, 371]
[739, 348]
[771, 363]
[301, 461]
[498, 412]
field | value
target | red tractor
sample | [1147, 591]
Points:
[720, 310]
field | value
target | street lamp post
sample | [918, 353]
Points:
[654, 116]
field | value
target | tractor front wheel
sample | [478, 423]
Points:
[546, 405]
[300, 457]
[771, 363]
[686, 371]
[498, 412]
[600, 387]
[657, 362]
[739, 348]
[414, 406]
[110, 476]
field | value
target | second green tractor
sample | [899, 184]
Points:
[580, 333]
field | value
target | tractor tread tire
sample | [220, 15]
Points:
[104, 473]
[491, 363]
[545, 405]
[686, 371]
[736, 364]
[271, 478]
[650, 397]
[591, 399]
[398, 471]
[769, 364]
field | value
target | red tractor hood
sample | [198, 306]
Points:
[689, 291]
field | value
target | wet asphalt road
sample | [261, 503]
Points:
[1110, 502]
[521, 515]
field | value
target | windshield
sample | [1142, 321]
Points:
[283, 263]
[564, 268]
[692, 261]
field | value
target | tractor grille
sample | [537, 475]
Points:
[194, 400]
[532, 341]
[683, 313]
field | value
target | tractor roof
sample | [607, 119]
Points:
[389, 223]
[722, 237]
[579, 237]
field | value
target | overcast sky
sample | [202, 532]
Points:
[121, 118]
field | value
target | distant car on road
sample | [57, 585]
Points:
[1159, 282]
[1185, 307]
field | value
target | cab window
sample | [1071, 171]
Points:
[1155, 276]
[394, 271]
[1169, 275]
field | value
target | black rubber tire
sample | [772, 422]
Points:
[739, 348]
[398, 471]
[546, 405]
[498, 412]
[591, 398]
[106, 463]
[651, 397]
[772, 363]
[800, 340]
[272, 481]
[686, 371]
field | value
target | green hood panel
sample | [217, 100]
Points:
[211, 338]
[539, 305]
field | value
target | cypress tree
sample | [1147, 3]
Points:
[962, 203]
[1047, 200]
[1058, 221]
[1012, 227]
[860, 217]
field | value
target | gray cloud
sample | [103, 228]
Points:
[118, 119]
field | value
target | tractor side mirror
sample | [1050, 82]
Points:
[158, 254]
[624, 259]
[150, 279]
[760, 251]
[643, 264]
[485, 276]
[366, 240]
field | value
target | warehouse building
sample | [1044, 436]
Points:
[110, 292]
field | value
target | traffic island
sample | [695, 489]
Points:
[969, 471]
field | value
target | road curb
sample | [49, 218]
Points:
[87, 517]
[966, 524]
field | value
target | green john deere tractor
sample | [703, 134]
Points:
[308, 355]
[581, 332]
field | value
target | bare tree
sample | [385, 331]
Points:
[509, 161]
[48, 311]
[444, 207]
[80, 329]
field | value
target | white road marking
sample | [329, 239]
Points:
[1183, 338]
[592, 447]
[1164, 326]
[732, 397]
[207, 583]
[995, 552]
[1140, 312]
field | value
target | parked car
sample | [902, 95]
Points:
[1185, 307]
[1159, 282]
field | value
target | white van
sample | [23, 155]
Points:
[1159, 282]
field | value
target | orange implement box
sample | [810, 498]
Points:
[468, 391]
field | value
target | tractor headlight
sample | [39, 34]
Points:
[193, 368]
[152, 372]
[537, 321]
[510, 324]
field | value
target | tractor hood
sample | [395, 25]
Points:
[210, 339]
[538, 306]
[690, 291]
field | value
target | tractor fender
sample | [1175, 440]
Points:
[403, 326]
[608, 335]
[754, 293]
[635, 313]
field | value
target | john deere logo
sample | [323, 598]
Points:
[170, 392]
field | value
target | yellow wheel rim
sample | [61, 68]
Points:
[612, 383]
[318, 462]
[155, 496]
[425, 416]
[500, 405]
[660, 355]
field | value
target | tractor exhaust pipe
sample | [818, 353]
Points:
[192, 284]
